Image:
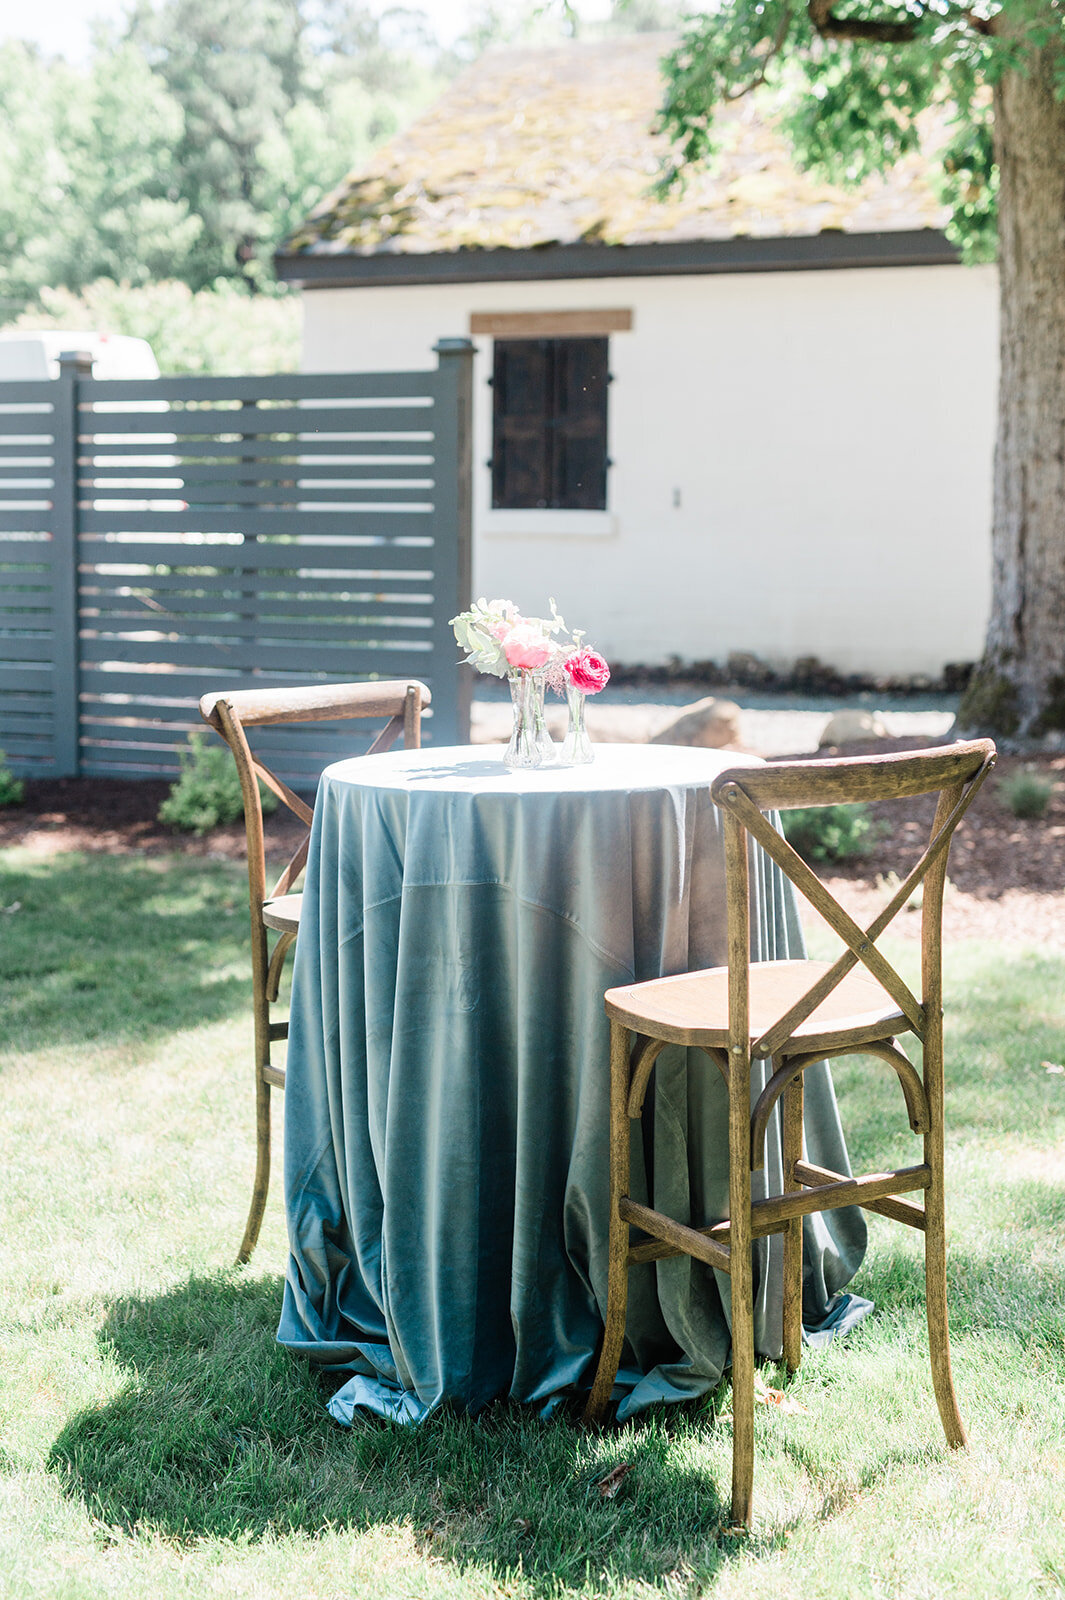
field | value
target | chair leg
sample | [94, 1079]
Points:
[742, 1292]
[935, 1278]
[261, 1184]
[618, 1275]
[935, 1241]
[791, 1141]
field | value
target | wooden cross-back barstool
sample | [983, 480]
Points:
[794, 1013]
[230, 713]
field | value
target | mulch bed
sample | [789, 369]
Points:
[1007, 872]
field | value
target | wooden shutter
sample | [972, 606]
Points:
[579, 424]
[521, 432]
[549, 424]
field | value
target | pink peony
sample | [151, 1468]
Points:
[587, 671]
[525, 646]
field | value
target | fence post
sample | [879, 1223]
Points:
[73, 366]
[453, 430]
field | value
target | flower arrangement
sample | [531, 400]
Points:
[534, 653]
[497, 639]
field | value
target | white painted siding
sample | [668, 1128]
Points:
[829, 433]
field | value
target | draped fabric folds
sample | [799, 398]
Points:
[446, 1110]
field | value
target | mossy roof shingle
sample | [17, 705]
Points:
[555, 146]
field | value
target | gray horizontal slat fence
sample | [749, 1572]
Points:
[36, 578]
[229, 533]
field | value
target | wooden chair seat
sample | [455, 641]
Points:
[692, 1009]
[283, 914]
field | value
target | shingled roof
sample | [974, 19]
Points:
[554, 147]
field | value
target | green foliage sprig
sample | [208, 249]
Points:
[1027, 793]
[832, 833]
[207, 793]
[12, 789]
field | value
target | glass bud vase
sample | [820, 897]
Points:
[544, 742]
[576, 747]
[527, 702]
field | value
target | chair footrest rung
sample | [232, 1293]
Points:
[676, 1238]
[277, 1030]
[768, 1216]
[825, 1191]
[274, 1076]
[884, 1205]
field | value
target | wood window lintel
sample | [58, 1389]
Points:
[550, 324]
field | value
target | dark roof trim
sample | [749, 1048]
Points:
[924, 247]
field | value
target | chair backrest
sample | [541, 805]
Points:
[231, 712]
[953, 772]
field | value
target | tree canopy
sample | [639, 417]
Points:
[195, 137]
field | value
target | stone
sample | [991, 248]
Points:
[852, 727]
[710, 724]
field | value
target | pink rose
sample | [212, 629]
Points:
[587, 670]
[525, 646]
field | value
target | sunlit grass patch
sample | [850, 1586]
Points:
[156, 1441]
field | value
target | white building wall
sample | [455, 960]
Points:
[802, 460]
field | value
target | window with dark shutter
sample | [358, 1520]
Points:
[549, 424]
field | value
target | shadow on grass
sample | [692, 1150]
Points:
[221, 1433]
[120, 947]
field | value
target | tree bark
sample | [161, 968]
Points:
[1019, 686]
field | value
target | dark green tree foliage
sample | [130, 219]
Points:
[194, 139]
[854, 88]
[88, 183]
[235, 68]
[852, 78]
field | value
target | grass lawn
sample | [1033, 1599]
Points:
[156, 1442]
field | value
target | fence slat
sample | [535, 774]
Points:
[381, 442]
[253, 387]
[21, 424]
[356, 554]
[142, 689]
[246, 423]
[274, 588]
[15, 521]
[289, 524]
[296, 497]
[393, 658]
[294, 474]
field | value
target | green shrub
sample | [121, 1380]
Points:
[207, 793]
[832, 833]
[1027, 793]
[12, 789]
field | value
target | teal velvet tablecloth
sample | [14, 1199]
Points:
[447, 1092]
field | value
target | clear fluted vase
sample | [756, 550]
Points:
[544, 743]
[576, 747]
[530, 743]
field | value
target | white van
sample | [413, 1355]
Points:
[36, 355]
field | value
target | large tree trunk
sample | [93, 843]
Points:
[1019, 686]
